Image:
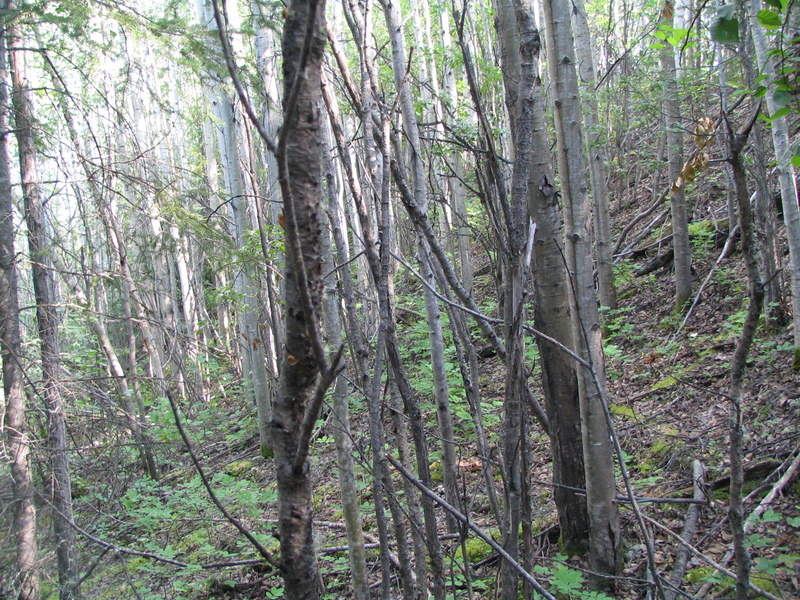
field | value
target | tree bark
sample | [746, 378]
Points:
[736, 143]
[46, 319]
[786, 175]
[552, 317]
[299, 157]
[371, 386]
[605, 538]
[674, 135]
[441, 392]
[514, 53]
[341, 410]
[15, 424]
[584, 47]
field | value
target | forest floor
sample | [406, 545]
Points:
[667, 388]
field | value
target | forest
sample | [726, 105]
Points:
[399, 299]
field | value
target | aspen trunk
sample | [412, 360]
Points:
[786, 175]
[341, 410]
[674, 135]
[604, 534]
[597, 168]
[441, 392]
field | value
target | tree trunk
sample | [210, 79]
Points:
[341, 410]
[372, 386]
[672, 118]
[786, 175]
[299, 157]
[513, 54]
[456, 162]
[584, 47]
[605, 539]
[47, 321]
[14, 411]
[739, 362]
[552, 317]
[436, 337]
[96, 322]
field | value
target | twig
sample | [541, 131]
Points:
[477, 530]
[128, 577]
[310, 418]
[123, 550]
[266, 554]
[638, 218]
[776, 489]
[709, 561]
[759, 510]
[722, 256]
[689, 527]
[639, 499]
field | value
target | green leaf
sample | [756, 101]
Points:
[678, 34]
[781, 112]
[769, 19]
[779, 4]
[725, 30]
[782, 98]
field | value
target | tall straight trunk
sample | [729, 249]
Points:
[552, 317]
[96, 322]
[441, 392]
[786, 175]
[235, 151]
[46, 319]
[456, 162]
[341, 410]
[513, 54]
[381, 480]
[267, 59]
[584, 47]
[604, 534]
[672, 125]
[299, 156]
[15, 426]
[234, 156]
